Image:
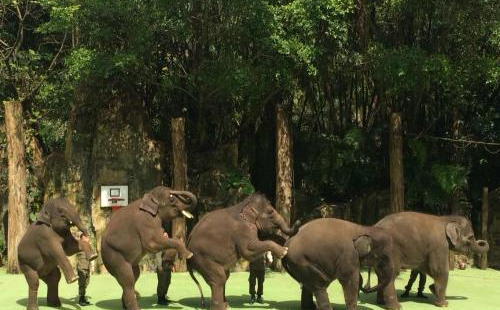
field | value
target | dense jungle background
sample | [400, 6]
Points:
[99, 83]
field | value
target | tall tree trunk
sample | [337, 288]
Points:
[284, 168]
[18, 217]
[396, 163]
[179, 180]
[483, 262]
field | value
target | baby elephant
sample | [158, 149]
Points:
[327, 249]
[45, 246]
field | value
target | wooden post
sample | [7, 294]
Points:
[179, 180]
[18, 217]
[483, 263]
[396, 163]
[284, 168]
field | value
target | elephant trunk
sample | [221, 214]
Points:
[283, 226]
[78, 223]
[186, 197]
[479, 246]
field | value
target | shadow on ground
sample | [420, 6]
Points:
[241, 302]
[145, 302]
[67, 304]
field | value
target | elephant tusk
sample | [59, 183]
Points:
[187, 214]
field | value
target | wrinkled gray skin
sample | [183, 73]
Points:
[327, 249]
[422, 242]
[223, 236]
[136, 230]
[45, 247]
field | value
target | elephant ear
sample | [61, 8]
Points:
[43, 217]
[363, 245]
[149, 204]
[453, 232]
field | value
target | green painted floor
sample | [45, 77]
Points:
[470, 289]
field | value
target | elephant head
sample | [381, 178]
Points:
[60, 215]
[461, 236]
[167, 203]
[374, 249]
[257, 209]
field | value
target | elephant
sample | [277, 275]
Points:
[45, 245]
[327, 249]
[422, 242]
[137, 229]
[223, 236]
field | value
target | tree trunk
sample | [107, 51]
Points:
[483, 263]
[284, 168]
[396, 163]
[18, 217]
[179, 180]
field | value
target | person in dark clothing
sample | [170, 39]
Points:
[257, 274]
[83, 271]
[165, 263]
[421, 284]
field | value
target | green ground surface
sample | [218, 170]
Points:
[469, 289]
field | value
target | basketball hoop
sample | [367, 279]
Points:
[114, 206]
[114, 197]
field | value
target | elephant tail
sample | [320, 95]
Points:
[190, 269]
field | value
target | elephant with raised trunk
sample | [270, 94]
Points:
[45, 247]
[327, 249]
[136, 230]
[223, 236]
[422, 242]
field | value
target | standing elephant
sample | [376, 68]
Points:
[136, 230]
[327, 249]
[422, 242]
[223, 236]
[45, 246]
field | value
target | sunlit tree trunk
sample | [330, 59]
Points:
[284, 168]
[179, 180]
[396, 163]
[483, 262]
[18, 217]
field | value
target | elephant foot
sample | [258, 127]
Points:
[71, 280]
[442, 303]
[32, 307]
[393, 306]
[54, 303]
[406, 294]
[380, 301]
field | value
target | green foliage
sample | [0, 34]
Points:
[240, 182]
[431, 182]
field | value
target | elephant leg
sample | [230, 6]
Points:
[350, 286]
[390, 298]
[126, 279]
[123, 273]
[439, 289]
[33, 284]
[322, 299]
[215, 276]
[224, 289]
[62, 261]
[52, 281]
[306, 299]
[137, 273]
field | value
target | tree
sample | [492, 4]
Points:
[18, 218]
[179, 181]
